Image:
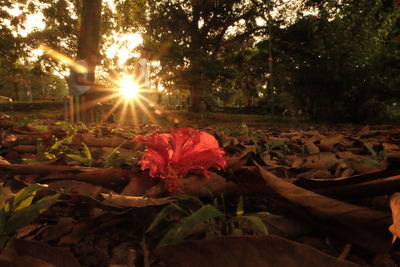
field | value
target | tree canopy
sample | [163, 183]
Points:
[327, 58]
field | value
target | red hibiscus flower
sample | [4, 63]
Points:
[173, 156]
[398, 3]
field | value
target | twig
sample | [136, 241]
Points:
[146, 253]
[345, 252]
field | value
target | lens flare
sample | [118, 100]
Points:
[128, 87]
[62, 58]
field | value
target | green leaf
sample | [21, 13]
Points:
[86, 152]
[26, 202]
[26, 215]
[2, 196]
[240, 207]
[183, 228]
[258, 147]
[77, 158]
[113, 160]
[371, 150]
[59, 143]
[22, 199]
[84, 161]
[116, 150]
[258, 224]
[167, 210]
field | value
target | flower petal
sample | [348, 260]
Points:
[172, 156]
[195, 150]
[157, 153]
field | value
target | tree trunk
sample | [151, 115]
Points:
[89, 35]
[196, 94]
[16, 91]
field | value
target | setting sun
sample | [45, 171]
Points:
[129, 89]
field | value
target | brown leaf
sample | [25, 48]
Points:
[71, 187]
[316, 173]
[363, 226]
[23, 261]
[347, 172]
[239, 251]
[133, 202]
[298, 163]
[41, 254]
[114, 179]
[53, 232]
[395, 207]
[311, 147]
[26, 230]
[201, 186]
[393, 154]
[357, 186]
[284, 227]
[3, 161]
[390, 146]
[139, 184]
[89, 226]
[25, 149]
[363, 168]
[92, 141]
[328, 144]
[365, 131]
[324, 160]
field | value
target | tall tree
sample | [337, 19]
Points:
[188, 37]
[333, 61]
[89, 35]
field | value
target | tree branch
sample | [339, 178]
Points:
[237, 38]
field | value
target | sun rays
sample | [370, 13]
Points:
[127, 99]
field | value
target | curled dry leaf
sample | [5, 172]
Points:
[363, 226]
[357, 186]
[133, 202]
[114, 179]
[395, 207]
[4, 161]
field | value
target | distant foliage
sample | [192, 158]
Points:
[344, 63]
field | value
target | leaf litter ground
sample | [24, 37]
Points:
[288, 197]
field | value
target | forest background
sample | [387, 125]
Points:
[325, 59]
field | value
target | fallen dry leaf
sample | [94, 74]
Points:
[357, 186]
[311, 147]
[328, 144]
[395, 207]
[363, 226]
[239, 251]
[92, 141]
[53, 232]
[22, 252]
[133, 202]
[201, 186]
[324, 160]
